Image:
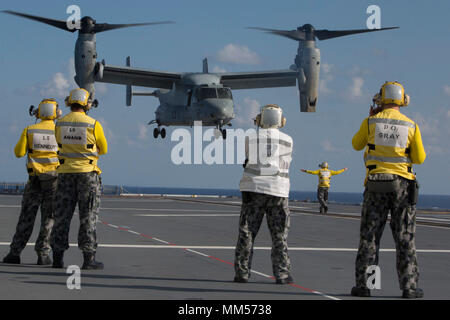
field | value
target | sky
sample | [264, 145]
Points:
[36, 62]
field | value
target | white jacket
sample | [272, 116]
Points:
[269, 154]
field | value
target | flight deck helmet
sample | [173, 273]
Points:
[392, 92]
[271, 117]
[47, 110]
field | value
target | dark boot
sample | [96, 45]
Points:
[322, 210]
[360, 292]
[90, 263]
[412, 293]
[287, 280]
[58, 260]
[239, 279]
[11, 259]
[44, 260]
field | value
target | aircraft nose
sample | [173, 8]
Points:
[221, 109]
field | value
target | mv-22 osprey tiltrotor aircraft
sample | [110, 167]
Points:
[186, 97]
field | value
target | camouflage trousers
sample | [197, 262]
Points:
[375, 210]
[82, 189]
[254, 206]
[322, 196]
[38, 193]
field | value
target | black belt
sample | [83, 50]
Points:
[61, 161]
[373, 167]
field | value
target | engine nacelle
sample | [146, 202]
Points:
[308, 64]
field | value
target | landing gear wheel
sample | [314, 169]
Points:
[156, 133]
[224, 134]
[163, 133]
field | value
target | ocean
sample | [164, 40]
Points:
[434, 202]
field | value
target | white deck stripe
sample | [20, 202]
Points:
[188, 215]
[190, 248]
[171, 210]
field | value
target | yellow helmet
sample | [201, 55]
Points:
[47, 110]
[78, 96]
[323, 165]
[392, 93]
[271, 116]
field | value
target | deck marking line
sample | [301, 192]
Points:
[256, 272]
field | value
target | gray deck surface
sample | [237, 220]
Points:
[166, 248]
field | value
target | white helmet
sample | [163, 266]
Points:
[271, 116]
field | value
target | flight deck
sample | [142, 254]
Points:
[169, 247]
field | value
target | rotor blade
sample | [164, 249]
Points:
[327, 34]
[55, 23]
[101, 27]
[291, 34]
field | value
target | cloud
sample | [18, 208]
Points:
[218, 69]
[355, 90]
[58, 86]
[435, 132]
[247, 112]
[237, 54]
[143, 130]
[327, 146]
[447, 90]
[326, 78]
[14, 127]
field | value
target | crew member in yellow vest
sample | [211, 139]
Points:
[325, 175]
[392, 145]
[39, 144]
[81, 141]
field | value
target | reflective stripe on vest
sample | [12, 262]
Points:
[260, 172]
[79, 155]
[75, 124]
[388, 159]
[392, 122]
[44, 131]
[43, 160]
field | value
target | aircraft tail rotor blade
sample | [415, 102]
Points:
[102, 27]
[61, 24]
[327, 34]
[291, 34]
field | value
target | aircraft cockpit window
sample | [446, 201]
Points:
[224, 93]
[207, 93]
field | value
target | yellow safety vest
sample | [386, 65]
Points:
[77, 143]
[324, 178]
[388, 148]
[42, 148]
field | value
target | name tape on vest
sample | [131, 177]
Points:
[44, 142]
[391, 135]
[73, 135]
[325, 174]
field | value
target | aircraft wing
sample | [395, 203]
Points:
[261, 79]
[137, 77]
